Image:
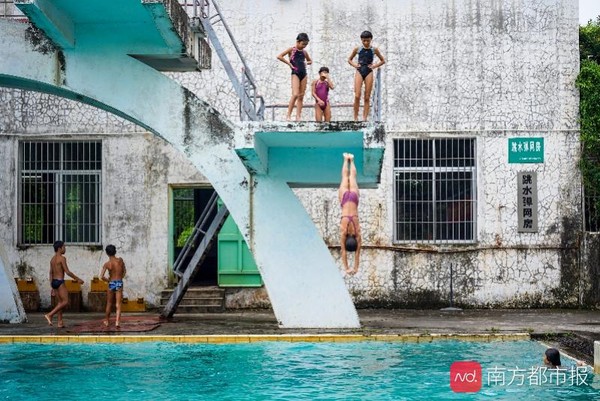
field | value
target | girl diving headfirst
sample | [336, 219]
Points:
[350, 238]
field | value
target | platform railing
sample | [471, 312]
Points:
[9, 10]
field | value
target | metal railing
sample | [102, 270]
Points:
[207, 12]
[9, 10]
[591, 213]
[375, 112]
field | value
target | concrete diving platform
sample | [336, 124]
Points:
[310, 154]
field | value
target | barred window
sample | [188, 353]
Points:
[434, 190]
[60, 192]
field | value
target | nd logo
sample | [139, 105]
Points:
[465, 377]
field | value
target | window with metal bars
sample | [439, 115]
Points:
[60, 192]
[434, 190]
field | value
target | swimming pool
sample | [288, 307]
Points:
[274, 370]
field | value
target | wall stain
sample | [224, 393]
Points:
[39, 40]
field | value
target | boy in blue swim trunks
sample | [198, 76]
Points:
[58, 269]
[364, 71]
[116, 271]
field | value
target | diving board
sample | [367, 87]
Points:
[310, 154]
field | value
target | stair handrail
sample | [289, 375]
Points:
[193, 238]
[202, 11]
[194, 265]
[9, 10]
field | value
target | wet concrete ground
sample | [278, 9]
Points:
[572, 331]
[374, 321]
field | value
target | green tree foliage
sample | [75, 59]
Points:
[588, 83]
[184, 215]
[589, 41]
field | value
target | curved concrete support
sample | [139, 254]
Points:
[304, 285]
[11, 307]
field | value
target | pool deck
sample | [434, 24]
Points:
[573, 331]
[374, 322]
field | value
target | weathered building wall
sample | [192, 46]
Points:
[504, 268]
[137, 172]
[451, 64]
[487, 69]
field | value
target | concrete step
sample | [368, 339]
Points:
[198, 292]
[188, 301]
[183, 309]
[198, 300]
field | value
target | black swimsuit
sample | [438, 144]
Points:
[365, 59]
[55, 283]
[298, 60]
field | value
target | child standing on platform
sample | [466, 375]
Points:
[298, 59]
[320, 91]
[364, 69]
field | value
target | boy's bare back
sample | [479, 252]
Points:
[57, 267]
[116, 268]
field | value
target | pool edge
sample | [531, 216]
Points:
[250, 338]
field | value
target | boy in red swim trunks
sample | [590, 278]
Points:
[320, 91]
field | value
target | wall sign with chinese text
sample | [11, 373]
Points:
[525, 150]
[527, 200]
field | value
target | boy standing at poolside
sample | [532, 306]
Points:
[58, 269]
[320, 91]
[364, 71]
[116, 272]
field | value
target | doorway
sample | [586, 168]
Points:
[188, 204]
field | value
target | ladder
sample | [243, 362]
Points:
[207, 12]
[194, 252]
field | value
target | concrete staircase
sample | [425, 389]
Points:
[198, 300]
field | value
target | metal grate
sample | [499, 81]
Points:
[434, 190]
[591, 210]
[60, 192]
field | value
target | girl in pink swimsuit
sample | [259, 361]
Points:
[350, 240]
[320, 91]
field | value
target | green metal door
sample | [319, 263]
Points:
[236, 266]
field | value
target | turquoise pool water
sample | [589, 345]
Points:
[274, 370]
